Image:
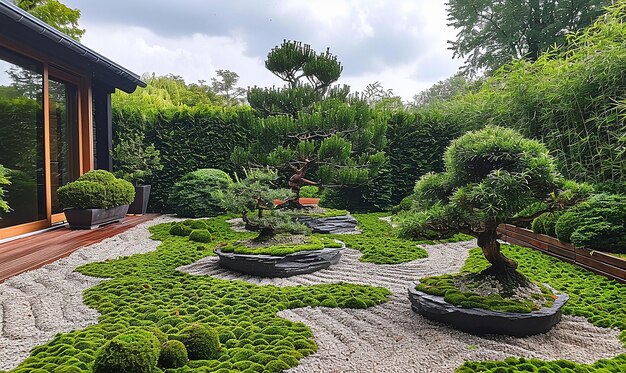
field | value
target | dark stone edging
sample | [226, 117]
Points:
[478, 321]
[332, 225]
[298, 263]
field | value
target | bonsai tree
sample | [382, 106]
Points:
[255, 194]
[492, 175]
[309, 131]
[134, 161]
[4, 180]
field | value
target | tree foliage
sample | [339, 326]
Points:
[55, 14]
[4, 180]
[492, 33]
[491, 175]
[225, 86]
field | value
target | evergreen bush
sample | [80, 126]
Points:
[199, 193]
[173, 355]
[202, 342]
[180, 229]
[546, 224]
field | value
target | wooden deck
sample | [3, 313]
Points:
[28, 253]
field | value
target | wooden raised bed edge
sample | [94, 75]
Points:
[603, 264]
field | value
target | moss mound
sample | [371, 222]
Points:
[315, 243]
[180, 229]
[173, 355]
[200, 235]
[201, 341]
[135, 352]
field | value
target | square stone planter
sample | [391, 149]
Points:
[94, 218]
[140, 205]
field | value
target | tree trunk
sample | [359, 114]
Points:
[502, 268]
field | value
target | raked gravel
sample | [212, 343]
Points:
[392, 338]
[387, 338]
[36, 305]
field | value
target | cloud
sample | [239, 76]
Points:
[373, 39]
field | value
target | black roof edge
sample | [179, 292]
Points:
[35, 24]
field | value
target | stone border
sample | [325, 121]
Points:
[478, 321]
[297, 263]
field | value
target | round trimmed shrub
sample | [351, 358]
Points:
[201, 341]
[199, 193]
[181, 230]
[196, 224]
[565, 226]
[309, 191]
[136, 352]
[200, 235]
[173, 355]
[97, 189]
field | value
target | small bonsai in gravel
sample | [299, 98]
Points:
[491, 176]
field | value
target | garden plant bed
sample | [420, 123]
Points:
[482, 321]
[607, 265]
[94, 218]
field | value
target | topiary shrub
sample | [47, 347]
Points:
[173, 355]
[199, 193]
[97, 189]
[200, 235]
[201, 341]
[180, 229]
[195, 224]
[135, 352]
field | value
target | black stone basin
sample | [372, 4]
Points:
[478, 321]
[333, 225]
[280, 266]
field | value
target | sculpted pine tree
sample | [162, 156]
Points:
[492, 177]
[492, 33]
[310, 127]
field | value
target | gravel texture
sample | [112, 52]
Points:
[36, 305]
[393, 338]
[386, 338]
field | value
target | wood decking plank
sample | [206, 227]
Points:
[35, 251]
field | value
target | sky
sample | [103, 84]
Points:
[401, 43]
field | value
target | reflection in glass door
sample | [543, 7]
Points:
[63, 114]
[22, 139]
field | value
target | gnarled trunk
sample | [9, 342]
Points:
[502, 268]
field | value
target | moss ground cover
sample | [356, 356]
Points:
[600, 300]
[380, 243]
[328, 213]
[445, 286]
[147, 291]
[315, 243]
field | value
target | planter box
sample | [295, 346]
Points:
[478, 321]
[279, 266]
[94, 218]
[140, 204]
[595, 261]
[303, 201]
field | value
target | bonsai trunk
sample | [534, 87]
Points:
[265, 232]
[502, 268]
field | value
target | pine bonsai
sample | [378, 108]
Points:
[492, 175]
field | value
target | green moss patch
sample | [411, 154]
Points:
[327, 213]
[315, 243]
[446, 286]
[594, 297]
[147, 291]
[380, 243]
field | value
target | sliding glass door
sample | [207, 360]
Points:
[22, 139]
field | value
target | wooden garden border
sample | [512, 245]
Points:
[595, 261]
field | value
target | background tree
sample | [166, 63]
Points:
[4, 180]
[225, 86]
[444, 90]
[492, 33]
[492, 176]
[55, 14]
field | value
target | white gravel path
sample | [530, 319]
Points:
[36, 305]
[392, 338]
